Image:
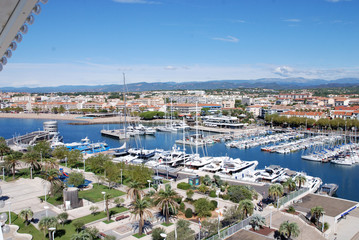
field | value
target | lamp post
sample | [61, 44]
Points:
[164, 235]
[53, 230]
[46, 209]
[171, 181]
[9, 212]
[121, 177]
[104, 201]
[30, 172]
[149, 184]
[45, 192]
[84, 164]
[323, 223]
[218, 212]
[3, 174]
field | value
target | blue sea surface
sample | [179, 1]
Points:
[345, 176]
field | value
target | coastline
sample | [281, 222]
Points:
[74, 118]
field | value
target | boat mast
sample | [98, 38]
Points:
[124, 98]
[196, 130]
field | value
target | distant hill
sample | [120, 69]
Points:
[269, 83]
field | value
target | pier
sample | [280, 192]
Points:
[29, 138]
[116, 133]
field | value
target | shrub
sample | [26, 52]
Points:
[188, 213]
[203, 207]
[182, 206]
[214, 204]
[291, 209]
[326, 226]
[178, 200]
[224, 196]
[156, 233]
[189, 194]
[184, 186]
[239, 193]
[212, 194]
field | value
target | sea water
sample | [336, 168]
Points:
[345, 176]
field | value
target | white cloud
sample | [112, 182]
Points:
[88, 73]
[296, 20]
[136, 1]
[283, 71]
[227, 39]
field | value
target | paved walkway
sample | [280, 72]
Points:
[306, 232]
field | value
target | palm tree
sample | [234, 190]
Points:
[246, 207]
[50, 163]
[165, 199]
[12, 161]
[3, 147]
[46, 223]
[316, 212]
[31, 158]
[275, 191]
[26, 214]
[140, 208]
[290, 184]
[134, 191]
[107, 199]
[52, 176]
[300, 179]
[83, 235]
[257, 222]
[289, 229]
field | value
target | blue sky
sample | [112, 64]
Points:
[93, 41]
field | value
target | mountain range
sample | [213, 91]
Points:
[267, 83]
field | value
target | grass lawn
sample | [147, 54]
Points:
[166, 225]
[53, 200]
[108, 222]
[62, 232]
[20, 173]
[30, 229]
[95, 195]
[138, 235]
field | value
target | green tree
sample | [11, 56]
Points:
[12, 160]
[52, 176]
[93, 209]
[93, 231]
[290, 184]
[31, 158]
[166, 200]
[4, 149]
[73, 157]
[107, 201]
[257, 222]
[288, 229]
[156, 233]
[203, 207]
[184, 232]
[275, 191]
[27, 215]
[60, 152]
[83, 235]
[112, 173]
[300, 179]
[97, 163]
[78, 224]
[134, 191]
[42, 148]
[316, 212]
[46, 223]
[237, 193]
[246, 207]
[62, 217]
[140, 209]
[76, 179]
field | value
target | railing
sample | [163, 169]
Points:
[224, 233]
[291, 196]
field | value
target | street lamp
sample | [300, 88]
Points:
[164, 235]
[323, 223]
[121, 177]
[218, 212]
[46, 209]
[9, 212]
[149, 184]
[53, 230]
[104, 201]
[3, 174]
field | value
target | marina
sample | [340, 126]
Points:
[329, 173]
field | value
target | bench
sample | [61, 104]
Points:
[119, 218]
